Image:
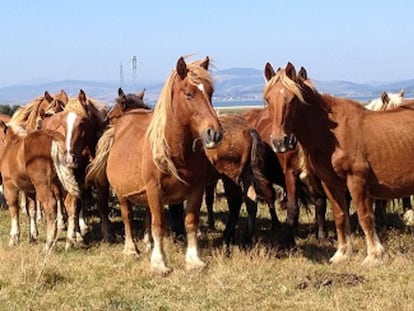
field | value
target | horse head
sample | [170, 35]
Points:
[192, 91]
[83, 124]
[124, 103]
[282, 95]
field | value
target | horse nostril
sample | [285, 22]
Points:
[218, 136]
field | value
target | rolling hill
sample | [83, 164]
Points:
[231, 85]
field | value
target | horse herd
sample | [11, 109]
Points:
[315, 146]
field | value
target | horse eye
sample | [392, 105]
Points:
[189, 94]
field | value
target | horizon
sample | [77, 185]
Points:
[357, 41]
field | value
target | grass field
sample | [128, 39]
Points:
[99, 277]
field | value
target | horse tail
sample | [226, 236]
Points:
[262, 184]
[64, 173]
[96, 170]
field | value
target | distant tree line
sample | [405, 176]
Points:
[7, 109]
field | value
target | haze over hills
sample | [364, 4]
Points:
[235, 85]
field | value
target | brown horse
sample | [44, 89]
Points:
[292, 164]
[124, 103]
[81, 123]
[242, 160]
[347, 150]
[29, 116]
[34, 163]
[152, 160]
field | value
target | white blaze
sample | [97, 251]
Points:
[70, 120]
[201, 87]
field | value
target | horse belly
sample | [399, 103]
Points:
[392, 178]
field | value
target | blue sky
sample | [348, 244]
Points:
[352, 40]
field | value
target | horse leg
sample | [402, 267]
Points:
[209, 198]
[337, 198]
[363, 204]
[158, 264]
[48, 200]
[39, 212]
[192, 217]
[31, 206]
[234, 201]
[177, 220]
[12, 199]
[379, 212]
[320, 211]
[71, 210]
[83, 209]
[292, 218]
[126, 213]
[104, 210]
[60, 216]
[406, 202]
[251, 207]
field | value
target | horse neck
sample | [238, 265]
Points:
[314, 123]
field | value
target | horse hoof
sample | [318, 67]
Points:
[371, 261]
[195, 265]
[14, 240]
[338, 258]
[160, 269]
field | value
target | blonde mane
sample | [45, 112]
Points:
[97, 109]
[27, 115]
[160, 149]
[288, 83]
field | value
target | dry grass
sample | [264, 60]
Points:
[99, 277]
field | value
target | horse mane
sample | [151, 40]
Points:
[27, 115]
[155, 133]
[93, 107]
[288, 83]
[96, 169]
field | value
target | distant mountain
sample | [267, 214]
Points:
[235, 84]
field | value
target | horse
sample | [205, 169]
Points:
[242, 160]
[5, 118]
[124, 103]
[34, 163]
[293, 166]
[151, 160]
[81, 123]
[346, 149]
[30, 115]
[386, 101]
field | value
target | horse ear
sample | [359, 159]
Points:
[303, 75]
[181, 68]
[3, 126]
[141, 94]
[269, 72]
[82, 96]
[402, 93]
[385, 98]
[48, 97]
[64, 96]
[290, 71]
[205, 63]
[121, 93]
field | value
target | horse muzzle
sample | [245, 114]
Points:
[288, 142]
[211, 138]
[71, 161]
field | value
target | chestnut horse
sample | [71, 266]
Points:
[29, 116]
[81, 123]
[124, 103]
[347, 149]
[34, 163]
[152, 160]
